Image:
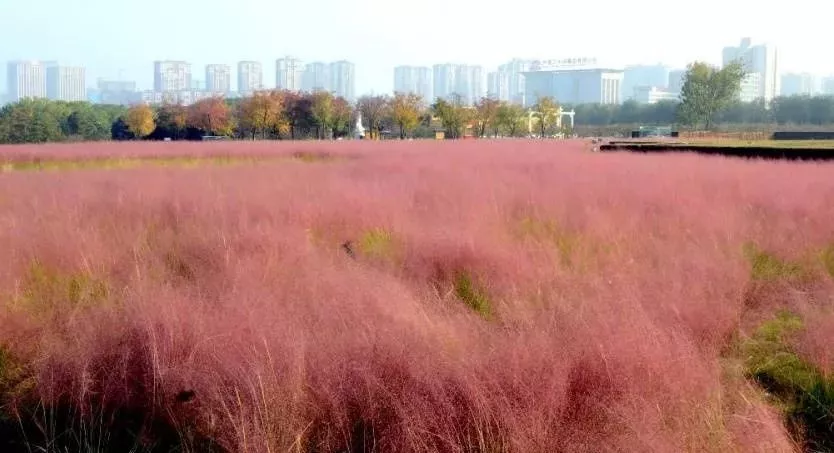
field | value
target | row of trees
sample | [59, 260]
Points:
[490, 117]
[709, 97]
[283, 114]
[269, 115]
[266, 115]
[40, 120]
[799, 110]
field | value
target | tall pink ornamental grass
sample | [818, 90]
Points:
[614, 285]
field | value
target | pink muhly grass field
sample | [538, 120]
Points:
[481, 296]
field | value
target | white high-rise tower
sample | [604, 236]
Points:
[761, 63]
[26, 79]
[289, 73]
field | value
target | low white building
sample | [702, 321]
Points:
[186, 97]
[653, 95]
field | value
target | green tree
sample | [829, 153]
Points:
[547, 113]
[173, 118]
[342, 113]
[453, 114]
[486, 113]
[31, 121]
[263, 111]
[510, 118]
[405, 112]
[629, 112]
[322, 110]
[708, 90]
[88, 123]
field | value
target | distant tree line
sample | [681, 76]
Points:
[40, 121]
[708, 99]
[791, 110]
[270, 115]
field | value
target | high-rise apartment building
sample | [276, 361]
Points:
[343, 79]
[761, 59]
[750, 87]
[452, 80]
[508, 83]
[828, 85]
[496, 86]
[444, 80]
[639, 77]
[794, 84]
[66, 83]
[414, 80]
[470, 84]
[288, 74]
[316, 77]
[250, 77]
[676, 78]
[26, 79]
[218, 78]
[171, 76]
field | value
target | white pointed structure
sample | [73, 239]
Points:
[359, 132]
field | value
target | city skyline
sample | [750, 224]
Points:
[573, 80]
[643, 83]
[374, 39]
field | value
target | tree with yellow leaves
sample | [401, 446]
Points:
[140, 120]
[322, 110]
[405, 111]
[261, 112]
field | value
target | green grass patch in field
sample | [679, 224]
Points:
[573, 249]
[565, 242]
[378, 243]
[473, 295]
[47, 292]
[803, 392]
[14, 380]
[827, 259]
[766, 266]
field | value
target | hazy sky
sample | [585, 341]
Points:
[124, 37]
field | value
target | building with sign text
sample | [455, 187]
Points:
[573, 81]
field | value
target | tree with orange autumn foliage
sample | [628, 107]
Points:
[262, 112]
[212, 116]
